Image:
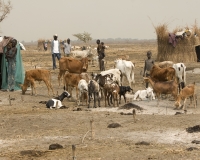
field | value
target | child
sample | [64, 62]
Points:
[148, 65]
[11, 58]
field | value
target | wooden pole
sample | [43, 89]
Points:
[74, 152]
[134, 115]
[9, 100]
[91, 126]
[56, 104]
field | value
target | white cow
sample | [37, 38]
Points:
[82, 54]
[180, 74]
[116, 74]
[127, 69]
[146, 94]
[83, 91]
[22, 46]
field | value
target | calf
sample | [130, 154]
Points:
[146, 94]
[72, 79]
[83, 91]
[188, 91]
[93, 89]
[36, 75]
[111, 91]
[122, 92]
[167, 87]
[56, 102]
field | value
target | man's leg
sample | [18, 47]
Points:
[54, 60]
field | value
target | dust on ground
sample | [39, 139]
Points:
[28, 128]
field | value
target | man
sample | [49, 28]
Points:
[101, 54]
[67, 48]
[55, 50]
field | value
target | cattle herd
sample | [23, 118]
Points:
[166, 78]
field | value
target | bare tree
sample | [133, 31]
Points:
[5, 9]
[85, 37]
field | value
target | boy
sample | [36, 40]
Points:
[148, 65]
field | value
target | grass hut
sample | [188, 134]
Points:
[185, 49]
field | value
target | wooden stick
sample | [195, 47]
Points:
[134, 115]
[91, 126]
[74, 152]
[57, 93]
[56, 104]
[9, 100]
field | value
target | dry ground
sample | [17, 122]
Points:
[27, 128]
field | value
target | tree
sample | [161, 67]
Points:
[5, 9]
[85, 37]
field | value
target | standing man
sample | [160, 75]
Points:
[67, 48]
[55, 50]
[101, 54]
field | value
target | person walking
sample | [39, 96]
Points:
[67, 48]
[148, 64]
[11, 59]
[55, 50]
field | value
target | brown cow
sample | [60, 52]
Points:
[158, 74]
[36, 75]
[72, 65]
[167, 87]
[187, 91]
[72, 79]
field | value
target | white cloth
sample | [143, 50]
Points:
[55, 47]
[67, 48]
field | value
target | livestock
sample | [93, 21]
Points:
[127, 70]
[165, 64]
[122, 92]
[93, 90]
[57, 101]
[187, 91]
[124, 57]
[36, 75]
[82, 54]
[72, 65]
[83, 91]
[146, 94]
[72, 79]
[166, 87]
[111, 91]
[162, 74]
[180, 74]
[22, 46]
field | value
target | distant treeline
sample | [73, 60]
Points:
[108, 41]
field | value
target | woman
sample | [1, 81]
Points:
[11, 59]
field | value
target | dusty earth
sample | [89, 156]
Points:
[27, 128]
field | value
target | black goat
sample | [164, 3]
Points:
[122, 92]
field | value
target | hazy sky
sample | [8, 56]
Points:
[35, 19]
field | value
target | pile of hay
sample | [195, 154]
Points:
[184, 51]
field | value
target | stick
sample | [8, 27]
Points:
[134, 115]
[56, 104]
[57, 93]
[91, 126]
[9, 100]
[74, 152]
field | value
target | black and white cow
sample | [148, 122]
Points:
[57, 100]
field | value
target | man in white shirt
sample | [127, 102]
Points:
[55, 50]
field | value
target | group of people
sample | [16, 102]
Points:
[55, 50]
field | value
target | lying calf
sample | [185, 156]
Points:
[146, 94]
[56, 102]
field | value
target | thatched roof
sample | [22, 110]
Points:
[183, 51]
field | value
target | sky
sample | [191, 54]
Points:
[30, 20]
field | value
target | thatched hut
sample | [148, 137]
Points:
[185, 49]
